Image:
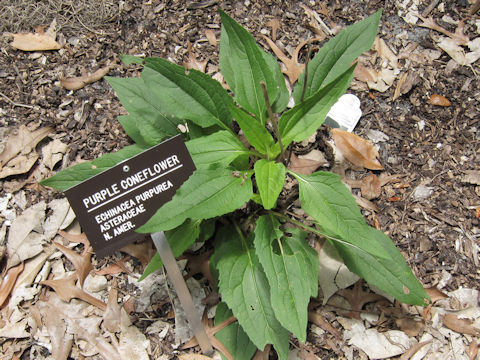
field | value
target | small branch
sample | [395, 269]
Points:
[273, 119]
[305, 78]
[14, 103]
[430, 7]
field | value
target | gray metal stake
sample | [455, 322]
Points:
[183, 293]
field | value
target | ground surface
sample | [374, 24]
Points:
[431, 212]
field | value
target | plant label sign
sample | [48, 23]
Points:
[112, 204]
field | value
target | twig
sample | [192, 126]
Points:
[475, 7]
[430, 7]
[14, 103]
[273, 119]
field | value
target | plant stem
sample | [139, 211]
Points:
[309, 53]
[273, 119]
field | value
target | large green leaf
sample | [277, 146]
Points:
[244, 287]
[255, 132]
[244, 67]
[305, 118]
[337, 55]
[188, 94]
[283, 97]
[233, 337]
[221, 148]
[74, 175]
[291, 267]
[179, 239]
[270, 177]
[390, 275]
[145, 111]
[206, 194]
[328, 201]
[131, 127]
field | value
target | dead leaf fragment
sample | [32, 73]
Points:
[8, 282]
[75, 83]
[194, 357]
[193, 62]
[462, 326]
[293, 68]
[81, 262]
[409, 326]
[67, 290]
[212, 39]
[371, 187]
[61, 340]
[435, 294]
[38, 41]
[53, 153]
[358, 151]
[23, 142]
[439, 100]
[23, 242]
[275, 25]
[308, 163]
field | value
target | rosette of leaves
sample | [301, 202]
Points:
[266, 270]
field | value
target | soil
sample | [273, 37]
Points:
[428, 145]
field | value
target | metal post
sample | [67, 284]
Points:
[183, 293]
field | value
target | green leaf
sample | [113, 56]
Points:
[390, 275]
[233, 337]
[270, 177]
[283, 98]
[244, 66]
[206, 194]
[188, 94]
[179, 239]
[131, 127]
[291, 267]
[305, 118]
[337, 55]
[219, 148]
[74, 175]
[153, 124]
[244, 287]
[324, 197]
[130, 59]
[256, 133]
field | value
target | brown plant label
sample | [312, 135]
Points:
[111, 205]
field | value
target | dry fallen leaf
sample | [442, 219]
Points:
[319, 320]
[409, 326]
[23, 242]
[111, 316]
[308, 163]
[194, 357]
[212, 39]
[81, 262]
[53, 152]
[143, 251]
[38, 41]
[61, 340]
[193, 62]
[75, 83]
[8, 282]
[357, 298]
[371, 187]
[358, 151]
[67, 290]
[275, 25]
[385, 52]
[408, 80]
[439, 100]
[293, 68]
[459, 37]
[76, 238]
[462, 326]
[23, 142]
[435, 294]
[211, 331]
